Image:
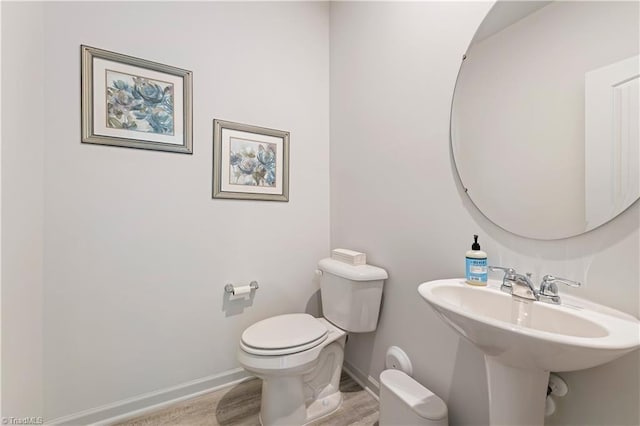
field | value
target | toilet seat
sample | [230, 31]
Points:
[283, 334]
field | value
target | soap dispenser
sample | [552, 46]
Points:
[476, 268]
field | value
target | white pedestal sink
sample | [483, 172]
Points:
[520, 353]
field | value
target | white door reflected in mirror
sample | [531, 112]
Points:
[612, 170]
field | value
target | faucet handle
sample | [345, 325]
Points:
[510, 271]
[509, 276]
[549, 289]
[550, 279]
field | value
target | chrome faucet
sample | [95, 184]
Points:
[521, 286]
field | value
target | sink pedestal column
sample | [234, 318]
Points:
[516, 395]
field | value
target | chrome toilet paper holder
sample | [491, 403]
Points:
[231, 289]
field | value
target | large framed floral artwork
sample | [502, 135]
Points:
[250, 162]
[131, 102]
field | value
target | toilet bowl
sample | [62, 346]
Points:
[299, 357]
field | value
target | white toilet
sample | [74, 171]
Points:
[299, 357]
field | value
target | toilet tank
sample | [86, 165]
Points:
[351, 294]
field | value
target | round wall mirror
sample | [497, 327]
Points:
[545, 116]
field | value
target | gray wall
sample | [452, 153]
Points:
[395, 195]
[131, 253]
[22, 207]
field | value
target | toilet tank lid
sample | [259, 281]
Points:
[352, 272]
[421, 400]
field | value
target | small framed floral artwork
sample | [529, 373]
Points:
[135, 103]
[249, 162]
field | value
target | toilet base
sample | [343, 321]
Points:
[316, 410]
[301, 399]
[282, 401]
[323, 407]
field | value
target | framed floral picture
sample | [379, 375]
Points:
[135, 103]
[250, 162]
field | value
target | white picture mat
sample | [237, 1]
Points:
[100, 67]
[227, 134]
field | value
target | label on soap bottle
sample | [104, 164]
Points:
[476, 270]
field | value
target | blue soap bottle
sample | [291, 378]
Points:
[476, 264]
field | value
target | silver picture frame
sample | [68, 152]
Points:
[250, 162]
[135, 103]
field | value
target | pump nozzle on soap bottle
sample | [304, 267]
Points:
[476, 264]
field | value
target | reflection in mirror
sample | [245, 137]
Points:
[545, 116]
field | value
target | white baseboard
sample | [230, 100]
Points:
[140, 404]
[367, 382]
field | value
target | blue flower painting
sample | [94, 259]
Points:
[139, 104]
[252, 163]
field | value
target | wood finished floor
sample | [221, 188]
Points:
[239, 405]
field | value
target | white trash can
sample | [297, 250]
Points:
[405, 402]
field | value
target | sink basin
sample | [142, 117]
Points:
[523, 342]
[558, 338]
